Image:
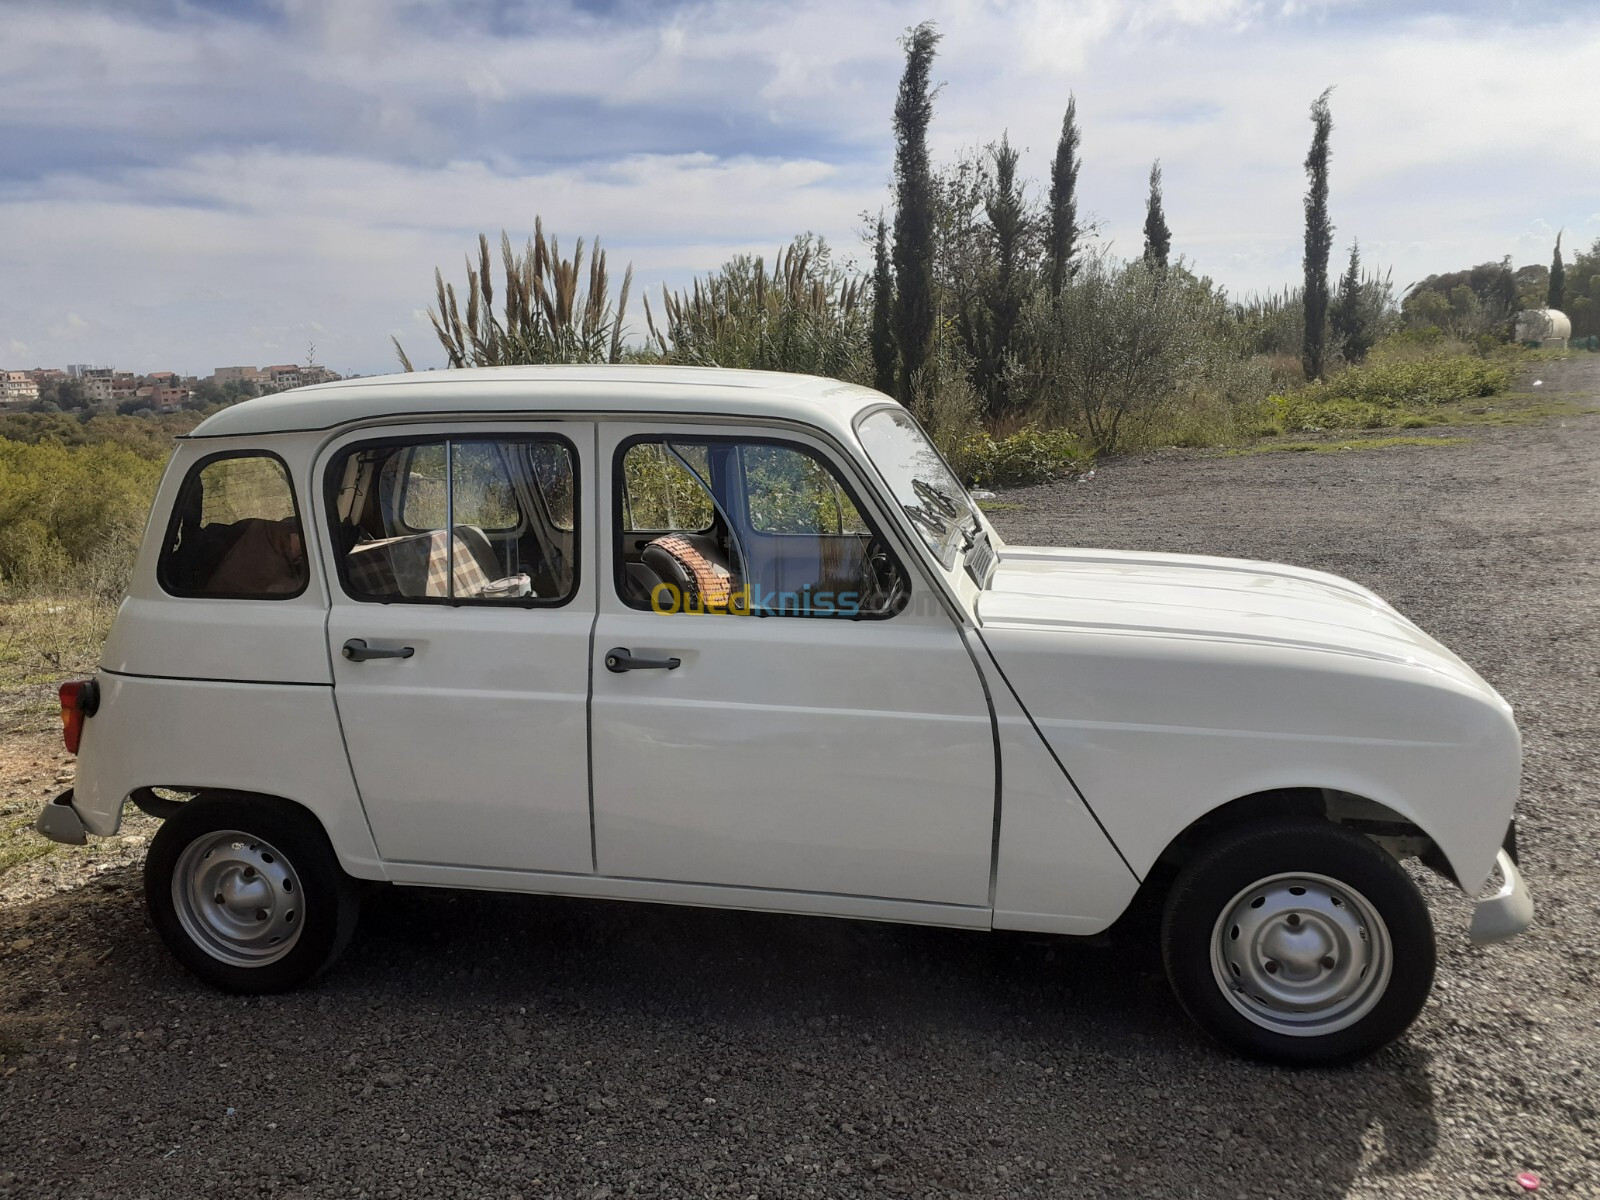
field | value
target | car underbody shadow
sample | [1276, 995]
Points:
[953, 1060]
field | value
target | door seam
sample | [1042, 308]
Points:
[999, 768]
[594, 628]
[1051, 750]
[344, 741]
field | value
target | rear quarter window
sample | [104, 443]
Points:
[235, 532]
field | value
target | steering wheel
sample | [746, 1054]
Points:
[883, 583]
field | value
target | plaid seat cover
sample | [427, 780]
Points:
[416, 564]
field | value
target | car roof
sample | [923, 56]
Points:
[492, 391]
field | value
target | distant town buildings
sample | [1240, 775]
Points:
[20, 387]
[83, 385]
[283, 376]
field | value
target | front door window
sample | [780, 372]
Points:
[746, 527]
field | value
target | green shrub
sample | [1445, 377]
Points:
[1422, 382]
[1031, 455]
[804, 314]
[71, 516]
[1123, 344]
[547, 316]
[149, 436]
[1384, 393]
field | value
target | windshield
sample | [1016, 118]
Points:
[921, 482]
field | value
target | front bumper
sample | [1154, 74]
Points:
[60, 822]
[1509, 911]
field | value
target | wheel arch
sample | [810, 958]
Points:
[1397, 833]
[151, 801]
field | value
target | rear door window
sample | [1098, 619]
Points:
[469, 520]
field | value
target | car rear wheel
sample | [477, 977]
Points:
[247, 893]
[1298, 942]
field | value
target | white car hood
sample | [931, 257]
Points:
[1217, 599]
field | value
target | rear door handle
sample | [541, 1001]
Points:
[357, 650]
[619, 660]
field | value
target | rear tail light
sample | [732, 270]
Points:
[79, 700]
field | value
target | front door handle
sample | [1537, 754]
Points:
[619, 660]
[357, 650]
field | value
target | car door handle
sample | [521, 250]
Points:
[619, 660]
[357, 650]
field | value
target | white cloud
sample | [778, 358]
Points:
[69, 327]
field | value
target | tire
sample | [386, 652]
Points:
[1299, 942]
[247, 893]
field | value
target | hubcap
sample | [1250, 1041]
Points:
[1302, 955]
[238, 898]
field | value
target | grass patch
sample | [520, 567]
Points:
[1519, 414]
[22, 845]
[1030, 455]
[1389, 394]
[1332, 447]
[43, 640]
[990, 506]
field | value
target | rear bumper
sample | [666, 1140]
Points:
[1509, 911]
[60, 822]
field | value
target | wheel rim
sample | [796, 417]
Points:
[1301, 954]
[238, 898]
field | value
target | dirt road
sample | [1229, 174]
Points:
[474, 1045]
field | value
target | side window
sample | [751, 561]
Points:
[457, 520]
[738, 527]
[552, 471]
[414, 484]
[662, 489]
[235, 533]
[481, 479]
[788, 491]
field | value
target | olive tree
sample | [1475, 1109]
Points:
[1142, 338]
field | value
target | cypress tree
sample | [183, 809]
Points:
[1558, 278]
[1319, 240]
[1064, 202]
[1002, 299]
[883, 355]
[1157, 237]
[914, 210]
[1345, 315]
[1341, 314]
[1506, 300]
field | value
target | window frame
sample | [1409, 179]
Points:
[619, 535]
[191, 477]
[333, 474]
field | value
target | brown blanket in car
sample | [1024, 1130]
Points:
[267, 558]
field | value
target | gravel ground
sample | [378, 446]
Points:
[474, 1045]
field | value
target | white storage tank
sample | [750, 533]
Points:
[1549, 328]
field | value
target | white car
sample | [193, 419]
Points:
[743, 640]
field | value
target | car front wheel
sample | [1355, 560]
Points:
[1298, 942]
[247, 893]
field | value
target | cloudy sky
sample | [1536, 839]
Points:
[186, 184]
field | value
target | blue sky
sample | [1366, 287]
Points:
[189, 185]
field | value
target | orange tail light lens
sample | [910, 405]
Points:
[79, 700]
